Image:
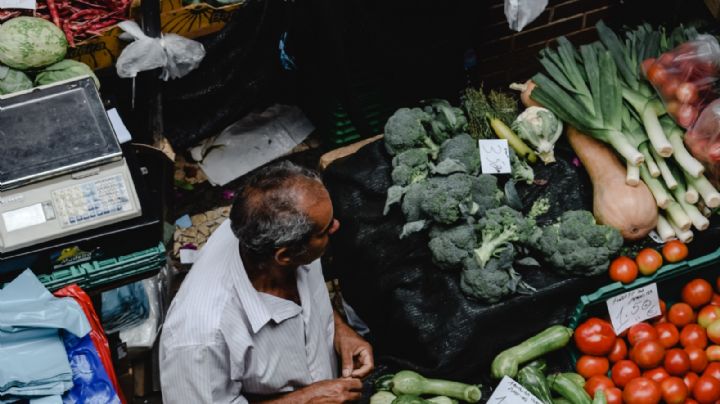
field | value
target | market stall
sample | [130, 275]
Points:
[537, 223]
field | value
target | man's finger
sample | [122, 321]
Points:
[347, 362]
[366, 362]
[353, 384]
[353, 396]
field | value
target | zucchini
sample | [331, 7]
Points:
[569, 389]
[533, 379]
[575, 377]
[382, 397]
[384, 382]
[508, 361]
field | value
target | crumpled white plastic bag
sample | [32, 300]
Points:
[176, 55]
[520, 13]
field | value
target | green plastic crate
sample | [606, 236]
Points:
[94, 274]
[670, 279]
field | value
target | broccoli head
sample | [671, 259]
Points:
[451, 245]
[500, 226]
[410, 166]
[492, 282]
[446, 120]
[463, 149]
[577, 245]
[405, 130]
[486, 194]
[448, 199]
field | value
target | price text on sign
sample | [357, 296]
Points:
[511, 392]
[14, 4]
[494, 156]
[633, 307]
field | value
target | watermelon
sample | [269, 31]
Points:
[29, 42]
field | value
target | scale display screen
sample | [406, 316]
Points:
[24, 217]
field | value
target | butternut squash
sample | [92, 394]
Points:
[630, 209]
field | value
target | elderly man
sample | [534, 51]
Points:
[252, 322]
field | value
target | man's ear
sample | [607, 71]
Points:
[282, 256]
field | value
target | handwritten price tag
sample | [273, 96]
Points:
[494, 156]
[511, 392]
[24, 4]
[633, 307]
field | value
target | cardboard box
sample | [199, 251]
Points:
[194, 20]
[100, 51]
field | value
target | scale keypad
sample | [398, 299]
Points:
[91, 200]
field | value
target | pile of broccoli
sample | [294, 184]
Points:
[472, 229]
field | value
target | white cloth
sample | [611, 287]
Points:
[223, 338]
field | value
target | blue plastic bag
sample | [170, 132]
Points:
[91, 384]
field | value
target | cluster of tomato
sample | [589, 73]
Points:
[685, 78]
[675, 358]
[647, 261]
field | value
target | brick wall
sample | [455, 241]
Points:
[505, 56]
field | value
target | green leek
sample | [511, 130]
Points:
[664, 229]
[677, 216]
[662, 198]
[707, 191]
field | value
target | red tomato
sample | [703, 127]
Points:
[624, 371]
[642, 391]
[713, 353]
[690, 379]
[707, 315]
[690, 400]
[619, 351]
[647, 354]
[589, 366]
[623, 269]
[693, 335]
[595, 337]
[600, 382]
[613, 395]
[686, 93]
[698, 359]
[641, 332]
[706, 390]
[646, 65]
[713, 370]
[657, 375]
[674, 390]
[666, 59]
[663, 306]
[657, 75]
[686, 115]
[674, 251]
[713, 330]
[648, 261]
[715, 299]
[668, 334]
[698, 292]
[677, 362]
[681, 314]
[669, 89]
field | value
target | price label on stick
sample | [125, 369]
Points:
[494, 156]
[18, 4]
[633, 307]
[511, 392]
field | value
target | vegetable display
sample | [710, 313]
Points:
[672, 358]
[408, 387]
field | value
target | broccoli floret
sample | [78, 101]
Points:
[446, 120]
[493, 281]
[410, 166]
[486, 194]
[447, 199]
[450, 246]
[500, 226]
[577, 245]
[521, 170]
[463, 149]
[405, 130]
[412, 200]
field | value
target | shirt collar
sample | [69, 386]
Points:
[258, 310]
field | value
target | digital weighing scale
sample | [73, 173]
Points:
[62, 170]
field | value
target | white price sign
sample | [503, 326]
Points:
[633, 307]
[511, 392]
[24, 4]
[494, 156]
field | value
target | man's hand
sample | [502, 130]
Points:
[355, 353]
[335, 391]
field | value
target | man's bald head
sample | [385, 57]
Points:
[268, 212]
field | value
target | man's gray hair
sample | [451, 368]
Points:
[265, 214]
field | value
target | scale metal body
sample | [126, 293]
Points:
[62, 170]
